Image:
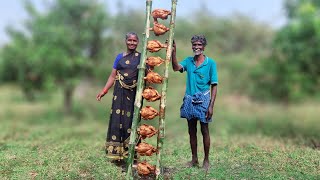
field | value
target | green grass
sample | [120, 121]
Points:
[249, 140]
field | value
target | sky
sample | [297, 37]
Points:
[271, 12]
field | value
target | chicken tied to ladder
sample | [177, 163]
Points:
[150, 94]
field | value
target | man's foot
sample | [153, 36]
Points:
[206, 165]
[193, 164]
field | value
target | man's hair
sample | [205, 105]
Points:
[132, 34]
[200, 38]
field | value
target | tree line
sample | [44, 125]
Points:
[73, 40]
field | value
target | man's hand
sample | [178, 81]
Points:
[173, 46]
[209, 113]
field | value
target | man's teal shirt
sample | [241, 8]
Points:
[199, 78]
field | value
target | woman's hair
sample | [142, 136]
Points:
[200, 38]
[132, 34]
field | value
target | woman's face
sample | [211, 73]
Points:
[132, 42]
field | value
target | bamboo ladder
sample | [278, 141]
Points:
[140, 87]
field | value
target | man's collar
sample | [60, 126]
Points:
[205, 61]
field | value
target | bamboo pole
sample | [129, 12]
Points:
[161, 131]
[140, 86]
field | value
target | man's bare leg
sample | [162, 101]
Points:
[192, 127]
[206, 144]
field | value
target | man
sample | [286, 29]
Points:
[199, 100]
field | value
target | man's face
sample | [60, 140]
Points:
[197, 48]
[132, 42]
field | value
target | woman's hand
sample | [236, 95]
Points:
[101, 94]
[108, 85]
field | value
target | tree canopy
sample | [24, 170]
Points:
[71, 40]
[293, 68]
[58, 47]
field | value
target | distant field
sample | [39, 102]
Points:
[249, 140]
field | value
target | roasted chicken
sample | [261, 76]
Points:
[154, 61]
[145, 168]
[146, 131]
[160, 13]
[155, 46]
[159, 29]
[148, 113]
[145, 149]
[153, 77]
[151, 94]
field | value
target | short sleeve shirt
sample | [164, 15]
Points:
[119, 56]
[199, 78]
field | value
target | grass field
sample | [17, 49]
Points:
[249, 140]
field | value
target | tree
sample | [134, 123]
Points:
[19, 62]
[61, 45]
[293, 68]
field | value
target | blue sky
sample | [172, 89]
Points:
[267, 11]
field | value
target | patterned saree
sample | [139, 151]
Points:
[122, 107]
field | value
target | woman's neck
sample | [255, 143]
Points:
[129, 51]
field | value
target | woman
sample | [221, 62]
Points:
[124, 77]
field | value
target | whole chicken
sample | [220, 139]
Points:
[146, 131]
[159, 29]
[145, 149]
[154, 61]
[151, 94]
[153, 77]
[148, 113]
[155, 46]
[145, 168]
[160, 13]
